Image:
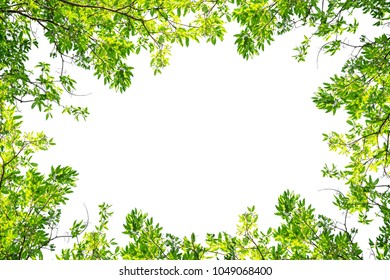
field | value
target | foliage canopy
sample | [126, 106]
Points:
[101, 35]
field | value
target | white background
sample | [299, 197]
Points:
[197, 145]
[102, 270]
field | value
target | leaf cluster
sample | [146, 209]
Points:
[102, 35]
[301, 235]
[94, 35]
[29, 200]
